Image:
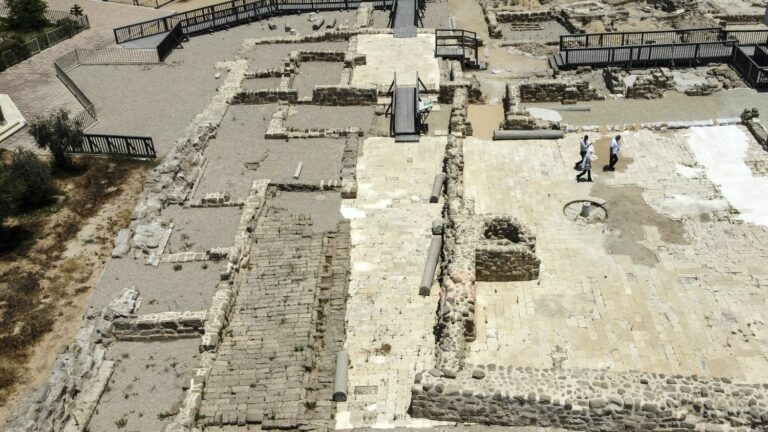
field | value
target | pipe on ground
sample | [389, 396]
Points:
[437, 187]
[340, 377]
[433, 255]
[503, 135]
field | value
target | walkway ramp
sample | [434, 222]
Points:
[405, 18]
[407, 114]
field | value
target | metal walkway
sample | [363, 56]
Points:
[405, 111]
[406, 14]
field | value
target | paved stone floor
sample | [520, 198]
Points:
[672, 282]
[389, 326]
[386, 56]
[33, 85]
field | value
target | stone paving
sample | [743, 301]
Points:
[33, 85]
[668, 284]
[389, 326]
[386, 56]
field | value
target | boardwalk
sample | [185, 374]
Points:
[405, 19]
[405, 111]
[33, 85]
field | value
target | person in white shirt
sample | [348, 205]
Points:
[586, 164]
[583, 144]
[615, 147]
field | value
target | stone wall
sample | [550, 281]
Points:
[344, 95]
[652, 85]
[265, 96]
[506, 251]
[526, 17]
[516, 118]
[590, 400]
[159, 326]
[459, 123]
[558, 91]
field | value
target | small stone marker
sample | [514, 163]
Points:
[297, 173]
[586, 207]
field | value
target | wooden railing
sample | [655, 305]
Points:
[233, 13]
[116, 145]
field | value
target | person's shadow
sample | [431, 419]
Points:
[608, 168]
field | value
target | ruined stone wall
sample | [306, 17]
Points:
[590, 400]
[651, 86]
[516, 17]
[265, 96]
[558, 91]
[159, 326]
[344, 95]
[506, 251]
[459, 123]
[516, 118]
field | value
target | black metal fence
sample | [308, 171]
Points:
[170, 42]
[116, 145]
[67, 26]
[233, 13]
[746, 37]
[619, 39]
[650, 55]
[458, 44]
[751, 71]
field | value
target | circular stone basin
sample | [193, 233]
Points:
[574, 211]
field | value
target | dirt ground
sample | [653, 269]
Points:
[48, 278]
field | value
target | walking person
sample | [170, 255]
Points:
[586, 164]
[615, 147]
[583, 144]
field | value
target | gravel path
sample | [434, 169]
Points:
[271, 56]
[312, 74]
[322, 207]
[239, 141]
[315, 116]
[199, 229]
[162, 288]
[321, 157]
[146, 385]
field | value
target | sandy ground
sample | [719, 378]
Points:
[437, 121]
[437, 15]
[321, 157]
[316, 73]
[550, 31]
[674, 106]
[272, 56]
[260, 83]
[162, 288]
[315, 116]
[199, 229]
[87, 254]
[322, 207]
[146, 387]
[238, 144]
[485, 119]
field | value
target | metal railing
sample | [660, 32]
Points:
[619, 39]
[232, 13]
[746, 37]
[650, 55]
[462, 44]
[115, 145]
[750, 70]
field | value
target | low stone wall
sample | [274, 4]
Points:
[589, 400]
[159, 326]
[324, 56]
[459, 122]
[516, 17]
[516, 118]
[344, 95]
[558, 91]
[652, 85]
[265, 96]
[506, 251]
[759, 131]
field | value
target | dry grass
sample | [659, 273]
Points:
[37, 283]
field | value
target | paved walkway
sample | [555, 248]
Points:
[33, 85]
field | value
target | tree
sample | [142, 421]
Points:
[57, 133]
[76, 10]
[30, 180]
[26, 15]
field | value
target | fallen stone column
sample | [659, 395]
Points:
[504, 135]
[437, 187]
[340, 377]
[433, 255]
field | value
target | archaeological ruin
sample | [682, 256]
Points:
[366, 214]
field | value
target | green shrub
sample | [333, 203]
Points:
[57, 133]
[30, 181]
[7, 203]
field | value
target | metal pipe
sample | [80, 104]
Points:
[297, 173]
[433, 255]
[340, 377]
[437, 187]
[503, 135]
